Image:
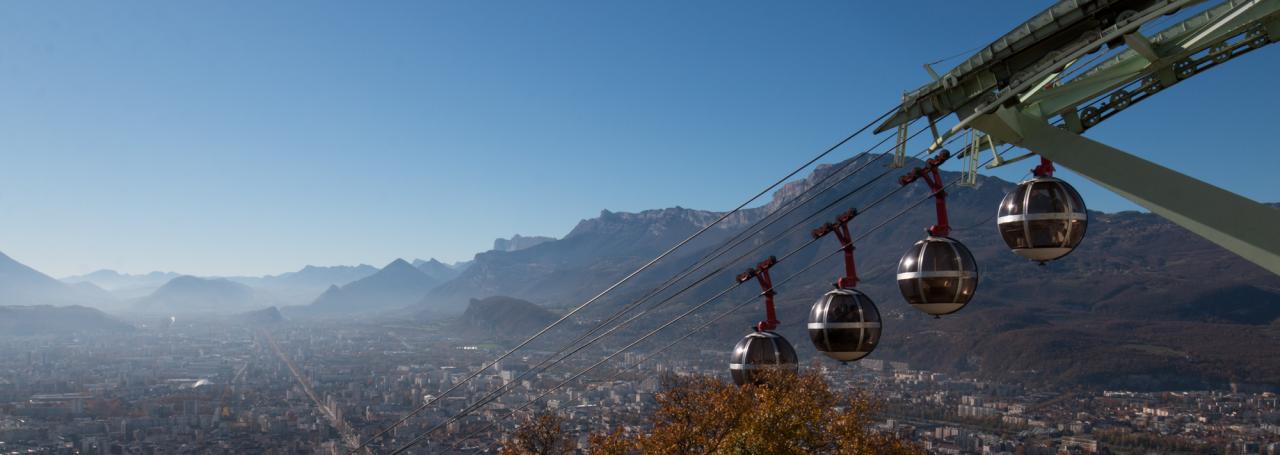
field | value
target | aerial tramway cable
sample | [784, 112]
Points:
[492, 396]
[625, 279]
[735, 241]
[732, 309]
[691, 310]
[540, 367]
[777, 237]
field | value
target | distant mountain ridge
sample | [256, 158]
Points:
[555, 272]
[22, 285]
[112, 280]
[290, 288]
[303, 286]
[397, 285]
[1136, 277]
[189, 294]
[519, 242]
[505, 317]
[1142, 303]
[438, 271]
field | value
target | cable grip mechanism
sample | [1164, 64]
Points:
[761, 274]
[841, 228]
[933, 178]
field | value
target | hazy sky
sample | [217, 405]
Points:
[255, 137]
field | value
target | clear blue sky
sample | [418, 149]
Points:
[255, 137]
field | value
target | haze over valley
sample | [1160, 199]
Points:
[1168, 303]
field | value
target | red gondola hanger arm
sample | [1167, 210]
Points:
[933, 178]
[841, 228]
[1045, 169]
[761, 273]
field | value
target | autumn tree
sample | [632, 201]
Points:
[783, 414]
[542, 434]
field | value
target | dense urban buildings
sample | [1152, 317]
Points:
[227, 388]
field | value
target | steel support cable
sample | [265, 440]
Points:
[493, 395]
[625, 279]
[695, 308]
[646, 336]
[963, 123]
[777, 237]
[733, 242]
[738, 306]
[733, 309]
[720, 251]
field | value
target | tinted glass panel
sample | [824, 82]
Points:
[818, 308]
[819, 339]
[1077, 202]
[740, 351]
[844, 340]
[869, 311]
[1013, 234]
[939, 256]
[910, 291]
[1044, 198]
[966, 290]
[908, 262]
[844, 308]
[1078, 227]
[871, 339]
[1012, 203]
[760, 352]
[939, 290]
[1048, 233]
[789, 357]
[966, 258]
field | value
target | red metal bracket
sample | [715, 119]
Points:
[1045, 169]
[841, 228]
[761, 273]
[933, 178]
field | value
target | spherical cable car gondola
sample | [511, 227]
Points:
[759, 351]
[1044, 218]
[844, 323]
[938, 274]
[762, 349]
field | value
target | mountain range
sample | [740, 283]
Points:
[501, 317]
[303, 286]
[437, 271]
[124, 285]
[291, 288]
[1142, 303]
[22, 285]
[519, 242]
[189, 294]
[397, 285]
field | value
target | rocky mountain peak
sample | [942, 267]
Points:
[519, 242]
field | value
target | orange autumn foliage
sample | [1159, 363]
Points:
[784, 414]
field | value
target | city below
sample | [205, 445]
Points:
[276, 389]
